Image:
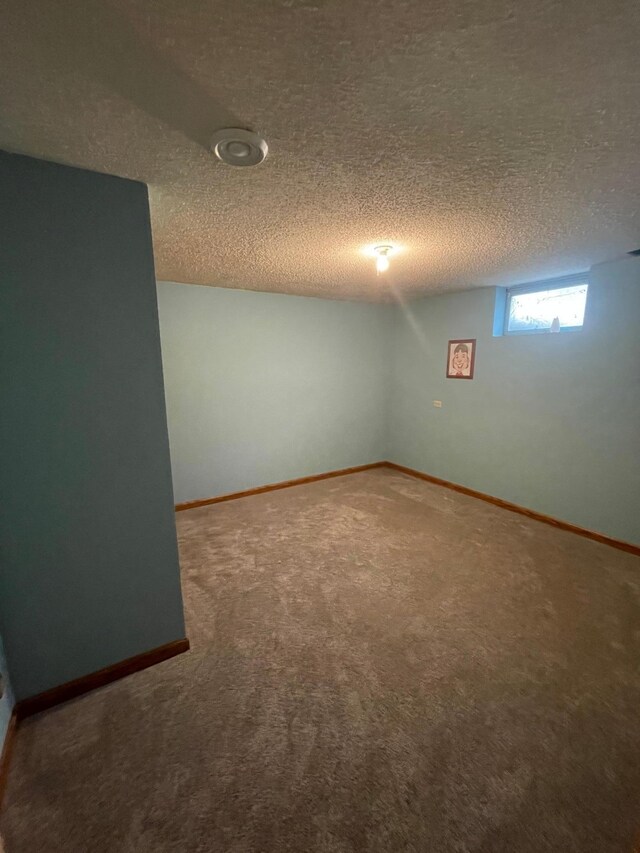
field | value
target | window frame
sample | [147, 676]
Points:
[539, 286]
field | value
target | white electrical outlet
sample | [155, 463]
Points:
[437, 404]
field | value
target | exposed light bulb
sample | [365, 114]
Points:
[382, 257]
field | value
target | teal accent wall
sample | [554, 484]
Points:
[265, 387]
[550, 422]
[7, 699]
[88, 546]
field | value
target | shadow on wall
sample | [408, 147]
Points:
[97, 41]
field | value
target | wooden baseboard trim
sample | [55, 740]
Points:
[412, 472]
[271, 487]
[7, 749]
[72, 689]
[530, 513]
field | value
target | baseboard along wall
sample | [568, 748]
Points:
[270, 487]
[72, 689]
[412, 472]
[521, 510]
[77, 687]
[84, 684]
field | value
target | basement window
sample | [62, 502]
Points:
[556, 305]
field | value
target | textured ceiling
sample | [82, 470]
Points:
[494, 141]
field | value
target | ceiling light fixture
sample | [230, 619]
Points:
[382, 257]
[237, 147]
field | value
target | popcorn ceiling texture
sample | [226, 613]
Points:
[496, 141]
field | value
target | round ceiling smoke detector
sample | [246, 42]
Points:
[238, 147]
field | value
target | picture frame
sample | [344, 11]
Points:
[461, 358]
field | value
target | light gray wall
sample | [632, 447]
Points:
[265, 387]
[89, 558]
[550, 422]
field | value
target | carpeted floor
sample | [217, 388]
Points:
[378, 664]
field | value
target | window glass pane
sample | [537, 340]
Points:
[538, 309]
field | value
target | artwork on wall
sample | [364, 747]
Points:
[461, 358]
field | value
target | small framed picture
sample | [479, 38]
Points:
[461, 357]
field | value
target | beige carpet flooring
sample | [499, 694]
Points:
[378, 664]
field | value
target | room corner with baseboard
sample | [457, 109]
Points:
[320, 427]
[544, 424]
